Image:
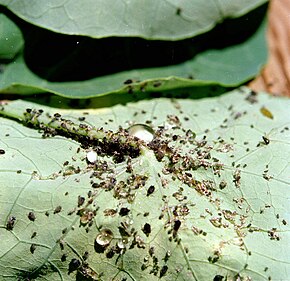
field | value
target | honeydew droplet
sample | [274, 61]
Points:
[104, 238]
[142, 132]
[92, 157]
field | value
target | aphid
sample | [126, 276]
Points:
[63, 257]
[82, 118]
[2, 151]
[81, 200]
[163, 270]
[57, 115]
[128, 81]
[32, 248]
[18, 171]
[31, 216]
[151, 251]
[33, 234]
[57, 209]
[218, 278]
[10, 223]
[124, 212]
[65, 163]
[150, 190]
[176, 225]
[85, 255]
[73, 265]
[266, 112]
[146, 229]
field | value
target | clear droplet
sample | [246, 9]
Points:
[92, 156]
[104, 238]
[142, 132]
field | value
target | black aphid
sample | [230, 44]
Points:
[73, 265]
[31, 216]
[177, 225]
[163, 270]
[150, 190]
[146, 229]
[32, 248]
[63, 257]
[57, 209]
[2, 151]
[33, 234]
[10, 223]
[124, 212]
[218, 278]
[81, 200]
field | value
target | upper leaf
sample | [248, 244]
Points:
[166, 20]
[214, 207]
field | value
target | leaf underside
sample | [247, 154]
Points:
[186, 209]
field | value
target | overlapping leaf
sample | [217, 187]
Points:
[167, 20]
[219, 207]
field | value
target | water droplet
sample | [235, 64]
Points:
[92, 157]
[142, 132]
[104, 238]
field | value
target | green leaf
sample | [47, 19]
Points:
[224, 67]
[219, 208]
[11, 40]
[166, 20]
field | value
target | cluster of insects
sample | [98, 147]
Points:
[179, 168]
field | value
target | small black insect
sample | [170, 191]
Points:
[73, 265]
[163, 270]
[146, 229]
[31, 216]
[124, 212]
[63, 257]
[176, 226]
[57, 209]
[81, 200]
[82, 118]
[150, 190]
[2, 151]
[128, 81]
[32, 248]
[33, 234]
[218, 278]
[10, 223]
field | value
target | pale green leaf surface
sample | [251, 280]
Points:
[166, 20]
[232, 126]
[11, 40]
[227, 67]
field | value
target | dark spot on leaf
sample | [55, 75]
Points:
[31, 216]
